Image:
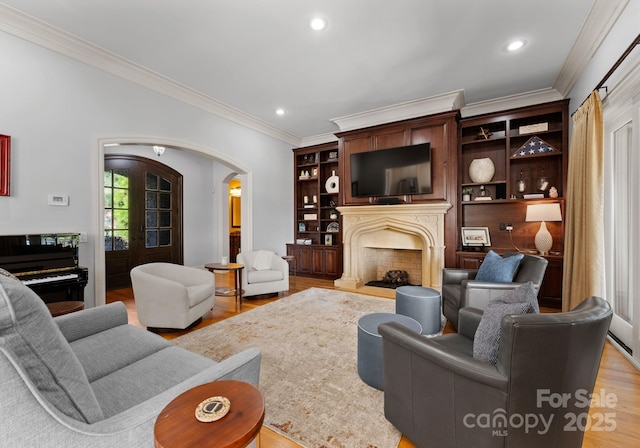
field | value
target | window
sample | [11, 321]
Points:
[157, 211]
[116, 210]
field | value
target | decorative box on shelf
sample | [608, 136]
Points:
[531, 128]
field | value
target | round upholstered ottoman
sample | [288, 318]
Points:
[370, 344]
[422, 304]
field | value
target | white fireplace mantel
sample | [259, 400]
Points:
[393, 226]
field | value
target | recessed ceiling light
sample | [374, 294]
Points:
[280, 111]
[516, 44]
[318, 23]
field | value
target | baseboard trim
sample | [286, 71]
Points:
[634, 362]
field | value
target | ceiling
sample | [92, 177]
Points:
[257, 55]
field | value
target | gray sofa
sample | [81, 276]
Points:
[90, 379]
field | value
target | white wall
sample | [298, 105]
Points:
[56, 109]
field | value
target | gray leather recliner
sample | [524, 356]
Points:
[460, 289]
[438, 395]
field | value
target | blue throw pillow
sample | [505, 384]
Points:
[496, 269]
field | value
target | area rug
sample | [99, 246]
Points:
[309, 375]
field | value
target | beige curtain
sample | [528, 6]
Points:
[584, 237]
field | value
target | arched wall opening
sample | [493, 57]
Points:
[220, 193]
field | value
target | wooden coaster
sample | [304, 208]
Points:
[212, 409]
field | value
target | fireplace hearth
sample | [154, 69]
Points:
[392, 279]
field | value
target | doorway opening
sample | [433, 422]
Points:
[219, 200]
[235, 218]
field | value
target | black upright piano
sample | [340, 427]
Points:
[47, 263]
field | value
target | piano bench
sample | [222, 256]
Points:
[65, 307]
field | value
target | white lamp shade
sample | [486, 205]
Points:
[543, 212]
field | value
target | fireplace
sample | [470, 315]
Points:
[379, 262]
[415, 228]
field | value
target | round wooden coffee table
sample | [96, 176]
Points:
[177, 426]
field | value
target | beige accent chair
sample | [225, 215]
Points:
[169, 295]
[265, 272]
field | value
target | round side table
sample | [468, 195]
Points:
[65, 307]
[177, 426]
[237, 291]
[293, 265]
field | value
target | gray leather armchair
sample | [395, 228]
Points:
[460, 289]
[438, 395]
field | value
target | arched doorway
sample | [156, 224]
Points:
[220, 199]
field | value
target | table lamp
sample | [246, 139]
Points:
[543, 213]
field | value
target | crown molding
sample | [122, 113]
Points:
[411, 109]
[511, 102]
[599, 21]
[44, 35]
[318, 139]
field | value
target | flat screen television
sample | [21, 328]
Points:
[391, 172]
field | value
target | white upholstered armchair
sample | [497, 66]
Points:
[171, 295]
[265, 272]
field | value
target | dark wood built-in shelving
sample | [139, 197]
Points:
[316, 256]
[504, 136]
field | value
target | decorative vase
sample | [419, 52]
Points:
[481, 170]
[332, 184]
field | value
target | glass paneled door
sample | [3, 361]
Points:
[142, 215]
[622, 220]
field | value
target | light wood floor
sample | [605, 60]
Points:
[617, 376]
